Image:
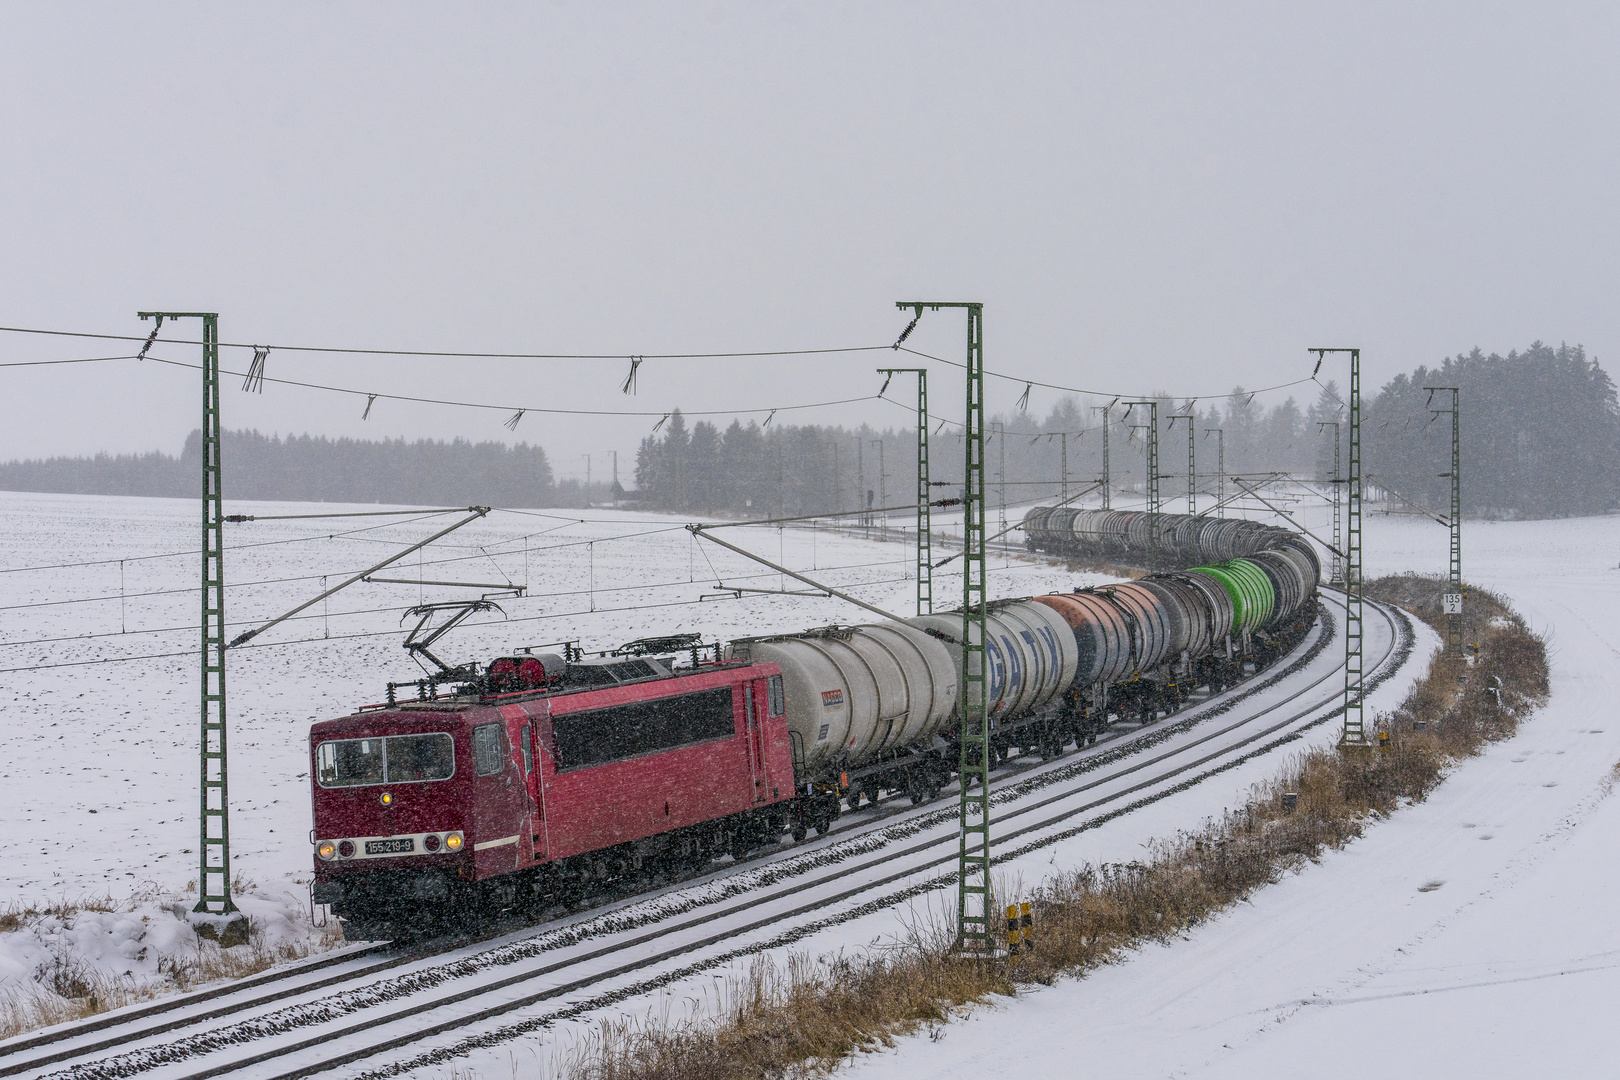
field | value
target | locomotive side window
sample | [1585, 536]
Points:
[773, 688]
[528, 760]
[643, 727]
[489, 749]
[420, 757]
[397, 759]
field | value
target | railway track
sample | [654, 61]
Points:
[341, 1011]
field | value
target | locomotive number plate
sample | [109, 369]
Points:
[390, 847]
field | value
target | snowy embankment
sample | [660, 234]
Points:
[1467, 935]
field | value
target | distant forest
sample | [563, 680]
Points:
[310, 469]
[783, 470]
[1540, 438]
[1540, 434]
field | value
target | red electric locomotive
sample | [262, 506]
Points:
[540, 780]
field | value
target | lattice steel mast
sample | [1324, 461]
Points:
[1107, 485]
[1453, 600]
[1220, 470]
[925, 549]
[1336, 571]
[1192, 457]
[1355, 732]
[1153, 506]
[214, 830]
[973, 911]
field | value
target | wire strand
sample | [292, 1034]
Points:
[508, 407]
[1091, 393]
[619, 356]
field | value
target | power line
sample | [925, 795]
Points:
[459, 355]
[80, 360]
[194, 551]
[1089, 393]
[388, 633]
[395, 607]
[508, 407]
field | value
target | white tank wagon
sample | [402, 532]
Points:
[853, 693]
[1030, 654]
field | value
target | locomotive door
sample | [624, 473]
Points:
[502, 807]
[756, 743]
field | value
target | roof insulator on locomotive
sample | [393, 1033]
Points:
[649, 646]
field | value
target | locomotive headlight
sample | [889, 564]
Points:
[430, 842]
[453, 842]
[346, 849]
[327, 850]
[387, 798]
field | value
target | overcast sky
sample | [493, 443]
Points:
[1144, 197]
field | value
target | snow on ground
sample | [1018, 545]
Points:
[1318, 975]
[98, 775]
[1469, 935]
[706, 993]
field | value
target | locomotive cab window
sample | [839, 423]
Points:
[643, 727]
[773, 689]
[420, 757]
[397, 759]
[489, 749]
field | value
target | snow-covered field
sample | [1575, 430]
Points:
[1470, 935]
[103, 803]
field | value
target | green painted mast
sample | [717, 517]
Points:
[974, 920]
[925, 548]
[1192, 457]
[1453, 600]
[1355, 731]
[1107, 481]
[1153, 505]
[214, 832]
[1336, 565]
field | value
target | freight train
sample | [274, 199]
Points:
[545, 777]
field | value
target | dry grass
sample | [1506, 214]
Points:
[807, 1017]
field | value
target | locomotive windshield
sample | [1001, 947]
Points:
[396, 759]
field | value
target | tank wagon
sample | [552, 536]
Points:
[1125, 536]
[544, 777]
